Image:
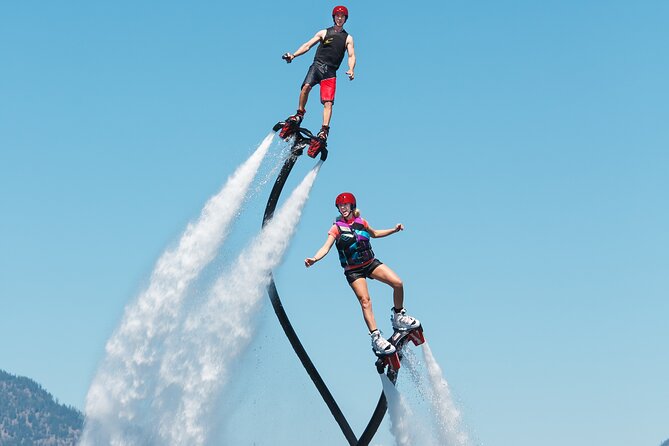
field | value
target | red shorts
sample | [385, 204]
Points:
[328, 88]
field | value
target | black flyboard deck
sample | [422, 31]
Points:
[399, 339]
[303, 139]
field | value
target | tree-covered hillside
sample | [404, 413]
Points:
[29, 415]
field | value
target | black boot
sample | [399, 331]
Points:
[323, 134]
[319, 143]
[291, 125]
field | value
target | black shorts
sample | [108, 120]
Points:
[320, 73]
[353, 274]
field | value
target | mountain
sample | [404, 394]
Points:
[29, 415]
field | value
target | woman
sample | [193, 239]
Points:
[351, 234]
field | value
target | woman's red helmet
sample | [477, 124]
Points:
[340, 10]
[346, 198]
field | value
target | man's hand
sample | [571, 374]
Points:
[309, 261]
[288, 57]
[350, 74]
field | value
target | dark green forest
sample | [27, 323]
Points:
[29, 415]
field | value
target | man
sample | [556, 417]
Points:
[334, 41]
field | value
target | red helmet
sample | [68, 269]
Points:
[345, 198]
[340, 10]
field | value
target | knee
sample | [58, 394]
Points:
[398, 284]
[306, 88]
[365, 302]
[328, 105]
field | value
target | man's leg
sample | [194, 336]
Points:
[327, 113]
[304, 96]
[294, 121]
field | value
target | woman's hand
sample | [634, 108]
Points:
[309, 261]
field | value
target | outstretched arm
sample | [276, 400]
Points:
[351, 57]
[306, 46]
[321, 252]
[385, 232]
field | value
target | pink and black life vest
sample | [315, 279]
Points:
[353, 243]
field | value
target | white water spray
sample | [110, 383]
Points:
[197, 364]
[447, 415]
[438, 420]
[116, 404]
[399, 412]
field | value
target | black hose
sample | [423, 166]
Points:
[285, 322]
[382, 405]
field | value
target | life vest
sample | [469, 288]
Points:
[353, 243]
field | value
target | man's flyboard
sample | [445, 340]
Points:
[390, 364]
[303, 138]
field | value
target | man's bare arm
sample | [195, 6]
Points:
[351, 57]
[306, 46]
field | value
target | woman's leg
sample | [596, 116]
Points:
[384, 274]
[362, 293]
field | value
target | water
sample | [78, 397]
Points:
[134, 393]
[168, 364]
[198, 363]
[436, 419]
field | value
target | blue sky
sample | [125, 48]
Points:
[523, 145]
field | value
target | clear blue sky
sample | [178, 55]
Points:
[523, 145]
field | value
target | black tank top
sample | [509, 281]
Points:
[331, 49]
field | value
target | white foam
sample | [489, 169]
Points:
[118, 395]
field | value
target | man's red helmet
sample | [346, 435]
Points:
[346, 198]
[340, 10]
